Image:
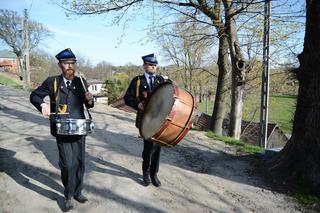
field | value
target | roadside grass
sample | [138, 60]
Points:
[241, 146]
[304, 193]
[300, 191]
[6, 80]
[281, 110]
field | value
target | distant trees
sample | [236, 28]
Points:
[103, 70]
[13, 34]
[42, 65]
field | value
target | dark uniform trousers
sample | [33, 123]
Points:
[71, 148]
[72, 163]
[151, 151]
[151, 158]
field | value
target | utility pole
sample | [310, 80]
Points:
[265, 78]
[26, 50]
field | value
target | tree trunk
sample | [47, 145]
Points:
[238, 73]
[200, 94]
[220, 102]
[22, 71]
[185, 80]
[300, 157]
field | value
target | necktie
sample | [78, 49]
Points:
[151, 82]
[68, 85]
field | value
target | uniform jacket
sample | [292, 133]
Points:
[144, 93]
[73, 98]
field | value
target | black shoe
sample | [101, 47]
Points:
[68, 205]
[155, 181]
[146, 179]
[81, 198]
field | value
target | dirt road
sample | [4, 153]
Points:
[199, 175]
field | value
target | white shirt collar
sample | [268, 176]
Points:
[65, 80]
[147, 77]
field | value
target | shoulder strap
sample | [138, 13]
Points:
[137, 88]
[55, 87]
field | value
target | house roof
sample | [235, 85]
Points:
[7, 54]
[5, 64]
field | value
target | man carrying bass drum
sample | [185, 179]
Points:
[139, 90]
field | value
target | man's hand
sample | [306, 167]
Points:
[141, 106]
[89, 97]
[45, 110]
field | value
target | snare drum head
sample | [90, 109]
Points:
[157, 110]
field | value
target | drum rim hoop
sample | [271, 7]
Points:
[166, 123]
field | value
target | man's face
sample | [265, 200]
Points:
[150, 68]
[68, 68]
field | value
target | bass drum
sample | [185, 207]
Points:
[168, 115]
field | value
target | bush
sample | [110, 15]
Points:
[113, 88]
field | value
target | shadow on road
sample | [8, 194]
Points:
[24, 174]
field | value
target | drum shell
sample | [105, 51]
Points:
[179, 120]
[70, 126]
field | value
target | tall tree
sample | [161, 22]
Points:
[300, 157]
[11, 33]
[238, 69]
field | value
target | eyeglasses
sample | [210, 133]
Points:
[69, 63]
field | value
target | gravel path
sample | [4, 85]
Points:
[198, 175]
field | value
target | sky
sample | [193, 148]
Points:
[93, 37]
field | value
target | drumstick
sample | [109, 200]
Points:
[59, 113]
[84, 87]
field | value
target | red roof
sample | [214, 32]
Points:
[6, 63]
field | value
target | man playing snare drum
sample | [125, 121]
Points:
[67, 96]
[140, 88]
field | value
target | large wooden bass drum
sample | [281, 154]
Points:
[168, 115]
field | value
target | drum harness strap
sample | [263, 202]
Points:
[56, 95]
[138, 87]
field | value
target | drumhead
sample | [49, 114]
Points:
[157, 109]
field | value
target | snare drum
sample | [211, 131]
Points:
[70, 126]
[168, 115]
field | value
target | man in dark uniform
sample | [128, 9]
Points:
[67, 97]
[140, 88]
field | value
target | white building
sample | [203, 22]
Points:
[96, 88]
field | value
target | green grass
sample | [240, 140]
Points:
[281, 110]
[304, 193]
[241, 146]
[9, 81]
[306, 199]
